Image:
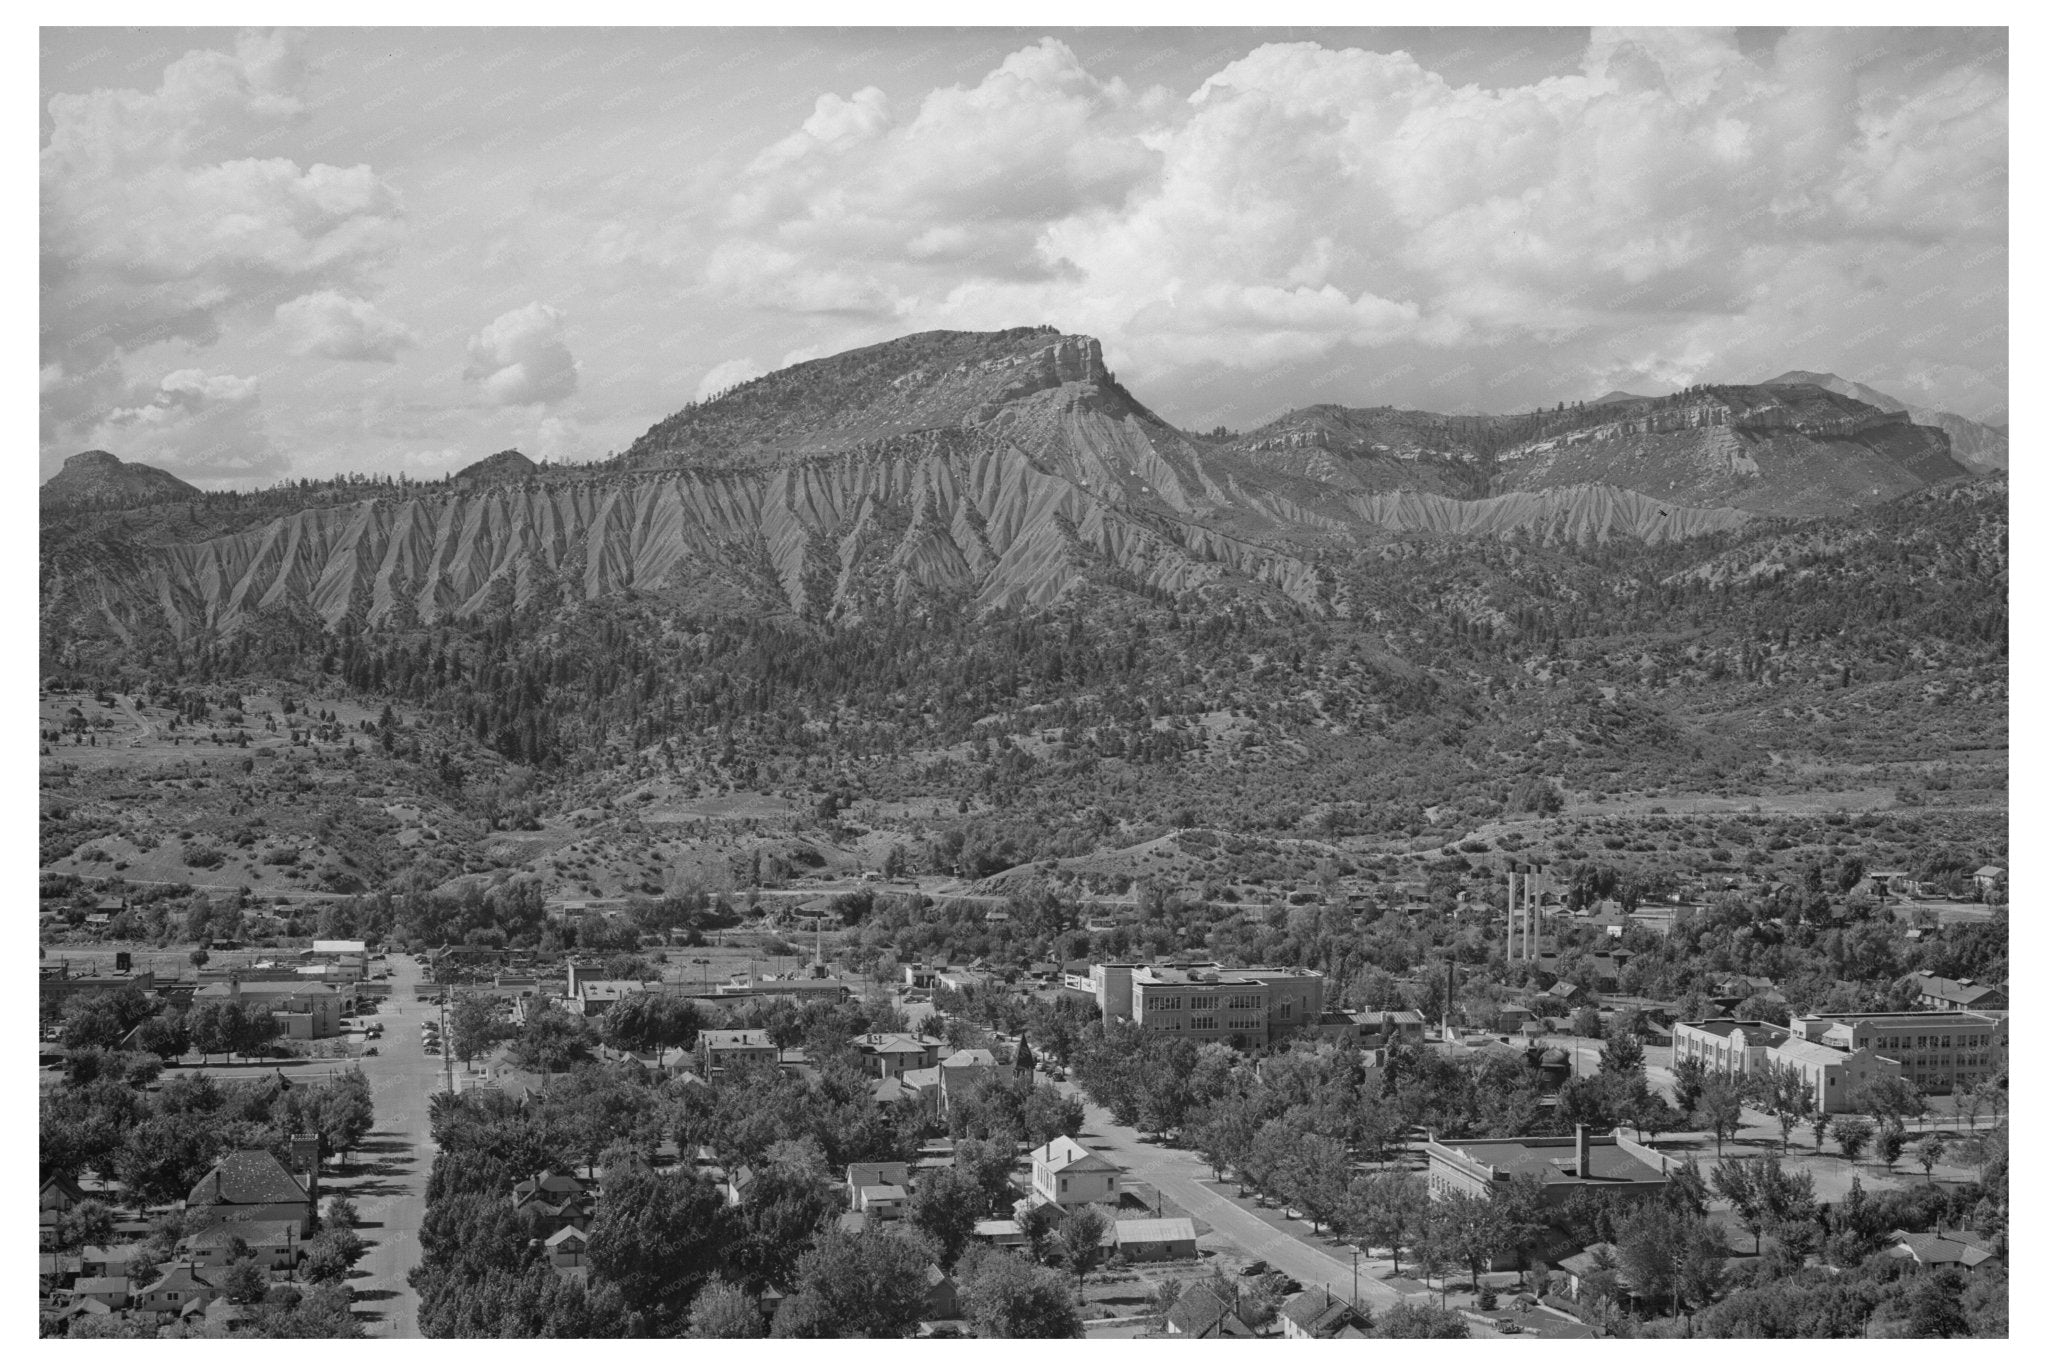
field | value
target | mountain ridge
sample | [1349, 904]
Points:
[995, 470]
[97, 476]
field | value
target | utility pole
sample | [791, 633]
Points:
[447, 1055]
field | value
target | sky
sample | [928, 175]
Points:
[271, 255]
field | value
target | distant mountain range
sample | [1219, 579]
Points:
[985, 470]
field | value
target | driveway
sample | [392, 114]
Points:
[1183, 1177]
[388, 1179]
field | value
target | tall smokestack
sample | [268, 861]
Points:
[1585, 1152]
[1536, 916]
[1511, 912]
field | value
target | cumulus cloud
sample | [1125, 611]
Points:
[521, 358]
[203, 427]
[1654, 209]
[725, 374]
[162, 220]
[334, 326]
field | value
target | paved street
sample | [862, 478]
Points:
[1183, 1177]
[389, 1178]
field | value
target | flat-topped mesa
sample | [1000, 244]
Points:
[1803, 409]
[922, 382]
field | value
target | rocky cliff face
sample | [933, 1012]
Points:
[1974, 445]
[1791, 451]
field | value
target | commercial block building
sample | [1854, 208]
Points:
[1562, 1166]
[1726, 1047]
[1934, 1049]
[1248, 1006]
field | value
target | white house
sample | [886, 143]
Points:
[1064, 1172]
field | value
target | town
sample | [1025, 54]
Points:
[1508, 1137]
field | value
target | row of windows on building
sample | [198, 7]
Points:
[1927, 1042]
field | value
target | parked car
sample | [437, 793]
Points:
[1255, 1268]
[369, 1052]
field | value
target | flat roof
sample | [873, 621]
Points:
[1723, 1027]
[1915, 1017]
[1549, 1159]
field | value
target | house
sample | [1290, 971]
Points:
[891, 1054]
[739, 1185]
[555, 1201]
[720, 1047]
[1000, 1232]
[111, 1290]
[941, 1294]
[861, 1173]
[878, 1188]
[566, 1247]
[180, 1288]
[597, 997]
[55, 1267]
[253, 1186]
[1064, 1172]
[1963, 1250]
[1612, 1166]
[882, 1202]
[1384, 1028]
[963, 1069]
[1201, 1314]
[275, 1245]
[1315, 1314]
[1941, 993]
[231, 1318]
[1155, 1239]
[60, 1194]
[1988, 876]
[1578, 1269]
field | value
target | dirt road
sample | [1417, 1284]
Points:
[389, 1178]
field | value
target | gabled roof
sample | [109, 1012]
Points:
[969, 1057]
[1139, 1230]
[568, 1234]
[892, 1042]
[1201, 1313]
[248, 1177]
[178, 1279]
[553, 1184]
[64, 1185]
[1930, 1248]
[1587, 1261]
[1318, 1312]
[1063, 1154]
[257, 1232]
